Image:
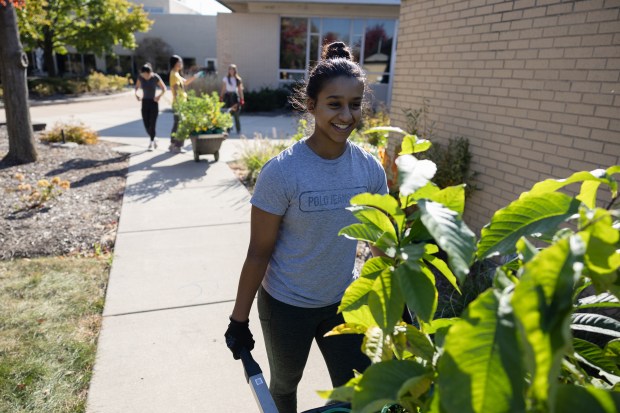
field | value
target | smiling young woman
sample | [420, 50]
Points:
[296, 261]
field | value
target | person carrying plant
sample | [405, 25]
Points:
[296, 261]
[232, 94]
[148, 82]
[177, 87]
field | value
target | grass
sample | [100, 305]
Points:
[50, 317]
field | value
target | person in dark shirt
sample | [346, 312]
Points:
[148, 82]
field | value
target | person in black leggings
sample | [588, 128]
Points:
[148, 82]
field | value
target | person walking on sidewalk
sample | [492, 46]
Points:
[296, 261]
[232, 94]
[177, 87]
[148, 82]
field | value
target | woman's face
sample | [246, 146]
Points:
[147, 75]
[232, 71]
[179, 65]
[338, 109]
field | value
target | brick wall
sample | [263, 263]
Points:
[533, 84]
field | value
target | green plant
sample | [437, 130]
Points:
[302, 130]
[201, 114]
[265, 99]
[71, 132]
[101, 83]
[513, 349]
[418, 122]
[453, 164]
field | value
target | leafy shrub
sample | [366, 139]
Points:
[201, 114]
[453, 164]
[99, 82]
[266, 99]
[514, 347]
[418, 122]
[73, 132]
[44, 89]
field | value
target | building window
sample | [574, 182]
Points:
[301, 41]
[293, 47]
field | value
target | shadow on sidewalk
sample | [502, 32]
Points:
[159, 177]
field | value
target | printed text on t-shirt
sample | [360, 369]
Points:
[314, 201]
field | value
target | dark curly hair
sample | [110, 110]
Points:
[336, 60]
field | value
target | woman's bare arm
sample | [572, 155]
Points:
[263, 236]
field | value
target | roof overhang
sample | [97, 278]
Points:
[236, 5]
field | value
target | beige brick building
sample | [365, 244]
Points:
[533, 84]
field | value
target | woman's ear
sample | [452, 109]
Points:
[310, 104]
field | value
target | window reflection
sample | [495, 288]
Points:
[335, 30]
[378, 49]
[293, 39]
[302, 39]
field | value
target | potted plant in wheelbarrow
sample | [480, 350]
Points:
[202, 120]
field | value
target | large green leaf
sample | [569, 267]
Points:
[586, 399]
[595, 356]
[552, 185]
[542, 303]
[596, 323]
[386, 301]
[378, 222]
[409, 341]
[481, 370]
[361, 232]
[411, 254]
[382, 383]
[526, 216]
[358, 290]
[452, 197]
[342, 393]
[612, 350]
[418, 289]
[602, 256]
[389, 129]
[451, 234]
[443, 268]
[385, 203]
[588, 192]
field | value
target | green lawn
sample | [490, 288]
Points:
[50, 316]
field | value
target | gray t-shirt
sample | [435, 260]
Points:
[149, 86]
[311, 265]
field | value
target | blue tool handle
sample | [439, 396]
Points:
[250, 365]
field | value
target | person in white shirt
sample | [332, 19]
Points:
[232, 94]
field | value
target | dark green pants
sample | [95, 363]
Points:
[289, 332]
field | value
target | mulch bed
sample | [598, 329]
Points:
[81, 220]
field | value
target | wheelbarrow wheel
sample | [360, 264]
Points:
[217, 156]
[196, 157]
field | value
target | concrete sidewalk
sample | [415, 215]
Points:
[181, 242]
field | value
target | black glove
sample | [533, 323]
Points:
[238, 336]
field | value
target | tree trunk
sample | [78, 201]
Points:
[48, 52]
[13, 65]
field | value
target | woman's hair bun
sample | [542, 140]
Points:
[336, 50]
